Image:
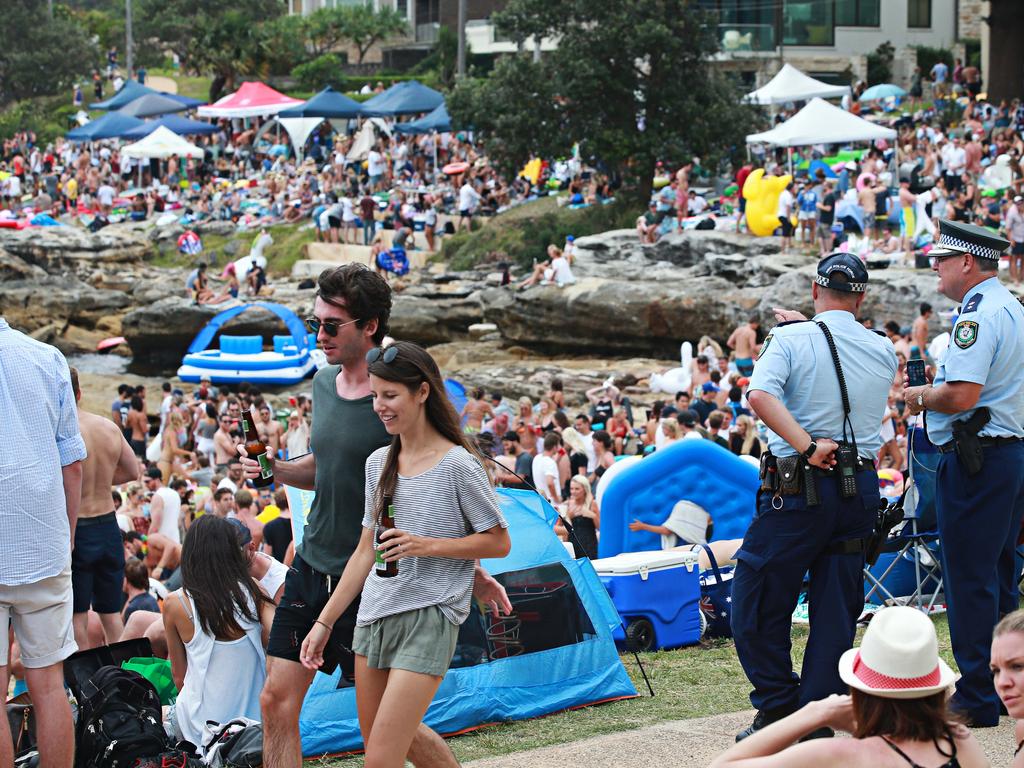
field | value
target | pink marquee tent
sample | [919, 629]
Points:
[251, 100]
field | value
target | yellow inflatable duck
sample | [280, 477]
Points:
[762, 196]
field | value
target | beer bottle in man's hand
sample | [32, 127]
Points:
[256, 449]
[387, 520]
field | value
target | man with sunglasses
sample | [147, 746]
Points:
[350, 319]
[224, 442]
[979, 508]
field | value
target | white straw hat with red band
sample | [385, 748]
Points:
[898, 657]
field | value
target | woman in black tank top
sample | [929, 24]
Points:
[896, 711]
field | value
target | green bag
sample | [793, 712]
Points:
[158, 672]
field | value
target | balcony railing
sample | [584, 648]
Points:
[427, 33]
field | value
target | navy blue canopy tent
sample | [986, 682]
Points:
[112, 125]
[132, 90]
[407, 98]
[151, 105]
[129, 92]
[326, 104]
[176, 123]
[438, 120]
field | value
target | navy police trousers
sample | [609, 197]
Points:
[979, 522]
[781, 546]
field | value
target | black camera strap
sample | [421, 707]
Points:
[852, 439]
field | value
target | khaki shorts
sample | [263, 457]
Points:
[41, 616]
[418, 641]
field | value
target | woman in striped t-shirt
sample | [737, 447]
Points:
[446, 517]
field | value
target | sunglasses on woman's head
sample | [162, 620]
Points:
[377, 353]
[331, 327]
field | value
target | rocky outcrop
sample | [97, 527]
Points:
[61, 249]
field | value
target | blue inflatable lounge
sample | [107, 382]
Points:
[554, 652]
[695, 470]
[242, 358]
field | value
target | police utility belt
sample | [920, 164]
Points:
[968, 444]
[793, 476]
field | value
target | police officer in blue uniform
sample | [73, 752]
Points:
[974, 414]
[819, 498]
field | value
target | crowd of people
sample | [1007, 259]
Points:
[884, 203]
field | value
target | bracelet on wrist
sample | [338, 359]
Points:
[323, 624]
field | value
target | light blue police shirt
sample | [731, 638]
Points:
[986, 347]
[796, 367]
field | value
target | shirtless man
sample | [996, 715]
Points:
[246, 513]
[919, 333]
[97, 561]
[138, 423]
[269, 429]
[474, 411]
[224, 442]
[743, 342]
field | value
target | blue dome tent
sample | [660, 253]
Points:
[410, 97]
[242, 358]
[152, 105]
[554, 652]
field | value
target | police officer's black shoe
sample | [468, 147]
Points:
[762, 719]
[820, 733]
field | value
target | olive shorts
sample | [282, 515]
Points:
[421, 641]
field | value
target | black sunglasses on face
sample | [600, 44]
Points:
[387, 355]
[331, 327]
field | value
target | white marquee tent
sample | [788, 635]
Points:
[821, 123]
[162, 144]
[790, 84]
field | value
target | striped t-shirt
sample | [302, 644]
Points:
[450, 500]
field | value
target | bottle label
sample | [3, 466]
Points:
[245, 425]
[265, 470]
[378, 556]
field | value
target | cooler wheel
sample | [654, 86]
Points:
[640, 635]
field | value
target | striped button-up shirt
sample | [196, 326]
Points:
[38, 436]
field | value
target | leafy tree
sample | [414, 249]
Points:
[632, 81]
[321, 71]
[40, 56]
[324, 30]
[443, 58]
[225, 38]
[364, 27]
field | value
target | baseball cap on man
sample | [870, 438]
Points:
[855, 274]
[710, 386]
[241, 531]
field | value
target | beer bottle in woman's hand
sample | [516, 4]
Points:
[387, 520]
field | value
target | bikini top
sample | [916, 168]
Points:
[951, 763]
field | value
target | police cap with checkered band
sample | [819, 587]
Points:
[956, 237]
[854, 274]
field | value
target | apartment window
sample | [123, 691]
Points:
[857, 13]
[808, 22]
[919, 13]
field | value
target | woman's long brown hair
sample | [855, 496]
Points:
[924, 719]
[412, 366]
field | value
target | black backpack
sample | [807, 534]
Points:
[119, 720]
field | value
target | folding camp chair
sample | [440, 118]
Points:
[916, 542]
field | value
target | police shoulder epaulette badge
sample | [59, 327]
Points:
[965, 333]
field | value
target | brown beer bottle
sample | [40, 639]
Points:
[257, 450]
[387, 520]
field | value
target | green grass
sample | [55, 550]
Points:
[289, 240]
[524, 232]
[688, 682]
[195, 87]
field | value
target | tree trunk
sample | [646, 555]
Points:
[1006, 54]
[216, 87]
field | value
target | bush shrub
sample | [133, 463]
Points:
[320, 72]
[928, 56]
[524, 234]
